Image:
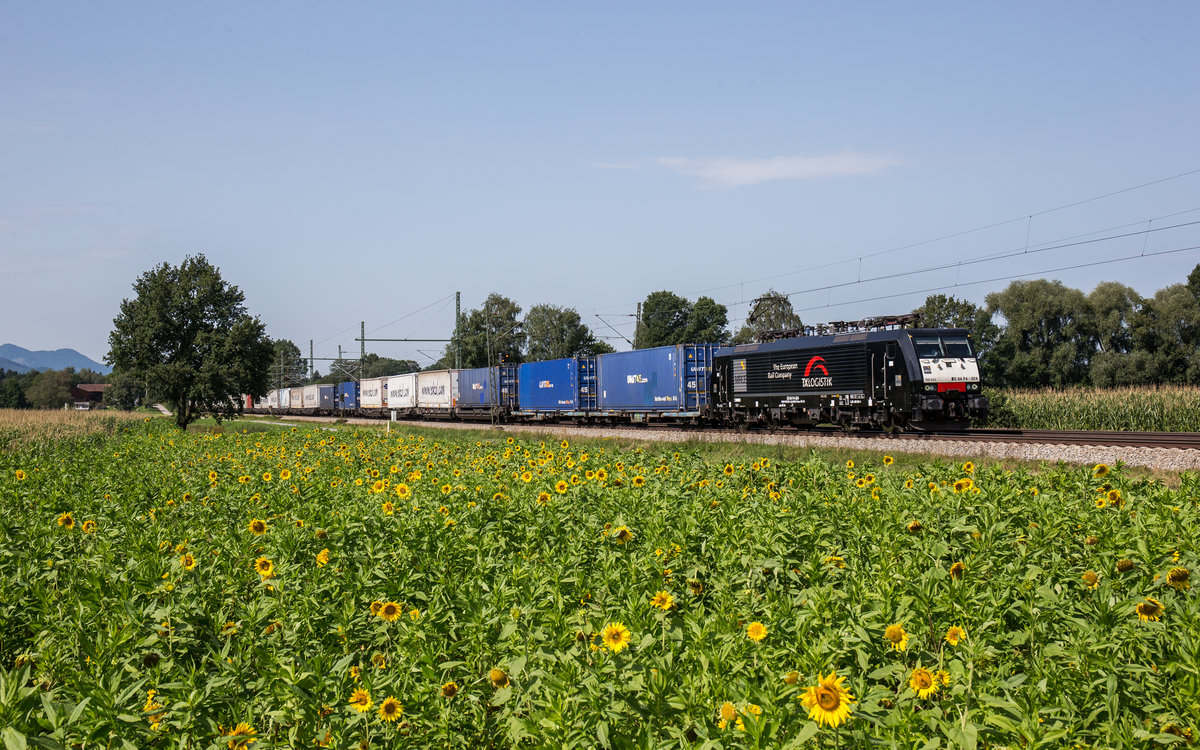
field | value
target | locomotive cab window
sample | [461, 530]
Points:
[957, 346]
[937, 347]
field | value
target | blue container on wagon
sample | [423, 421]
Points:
[560, 385]
[347, 395]
[672, 379]
[484, 387]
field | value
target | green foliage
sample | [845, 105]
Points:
[770, 312]
[125, 391]
[289, 368]
[1047, 337]
[668, 319]
[487, 336]
[496, 569]
[188, 336]
[554, 332]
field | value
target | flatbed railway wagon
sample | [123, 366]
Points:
[487, 392]
[919, 378]
[664, 383]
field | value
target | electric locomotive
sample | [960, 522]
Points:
[922, 378]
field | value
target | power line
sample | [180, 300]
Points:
[943, 287]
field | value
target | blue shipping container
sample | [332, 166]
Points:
[347, 395]
[566, 385]
[665, 378]
[475, 387]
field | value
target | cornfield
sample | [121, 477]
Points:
[21, 426]
[1158, 409]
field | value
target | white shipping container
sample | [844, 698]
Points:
[297, 398]
[285, 399]
[318, 396]
[273, 399]
[402, 391]
[372, 393]
[437, 389]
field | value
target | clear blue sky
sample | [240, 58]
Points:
[362, 161]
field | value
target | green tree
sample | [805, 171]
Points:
[289, 368]
[669, 319]
[1166, 336]
[51, 389]
[771, 312]
[125, 391]
[1047, 339]
[554, 332]
[375, 366]
[490, 335]
[706, 324]
[664, 320]
[188, 336]
[12, 394]
[1193, 281]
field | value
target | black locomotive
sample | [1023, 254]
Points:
[923, 378]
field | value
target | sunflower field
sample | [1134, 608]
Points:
[351, 588]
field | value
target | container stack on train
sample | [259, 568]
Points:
[897, 377]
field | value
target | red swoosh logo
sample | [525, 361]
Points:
[817, 362]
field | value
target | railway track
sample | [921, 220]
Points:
[1182, 440]
[1178, 440]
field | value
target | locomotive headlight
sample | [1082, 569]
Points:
[930, 387]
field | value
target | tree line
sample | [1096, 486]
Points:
[187, 340]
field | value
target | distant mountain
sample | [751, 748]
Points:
[58, 359]
[8, 364]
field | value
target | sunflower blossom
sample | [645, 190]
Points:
[828, 702]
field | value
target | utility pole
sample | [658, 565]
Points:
[638, 328]
[457, 337]
[311, 370]
[362, 352]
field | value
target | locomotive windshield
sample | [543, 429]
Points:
[938, 347]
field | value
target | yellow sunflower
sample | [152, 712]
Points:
[1151, 609]
[258, 527]
[828, 702]
[266, 476]
[756, 631]
[450, 689]
[88, 527]
[188, 562]
[662, 600]
[954, 634]
[957, 571]
[389, 611]
[498, 677]
[361, 700]
[728, 470]
[622, 534]
[20, 475]
[896, 635]
[322, 558]
[639, 480]
[264, 567]
[1177, 577]
[242, 736]
[923, 682]
[66, 520]
[1100, 470]
[615, 636]
[888, 460]
[1091, 579]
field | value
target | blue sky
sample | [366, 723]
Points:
[364, 161]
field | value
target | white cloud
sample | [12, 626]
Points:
[726, 171]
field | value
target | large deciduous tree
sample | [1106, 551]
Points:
[488, 336]
[1047, 338]
[187, 335]
[771, 312]
[668, 319]
[554, 332]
